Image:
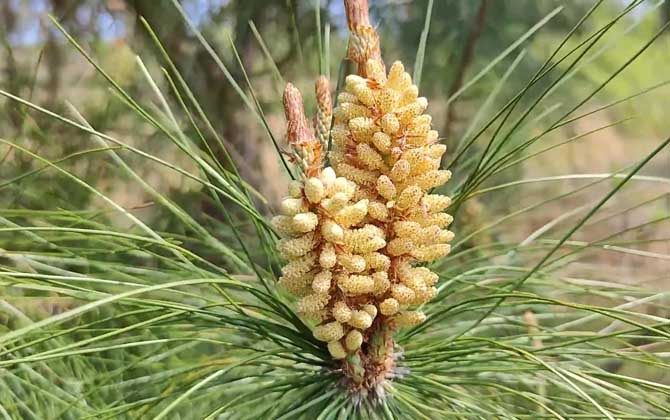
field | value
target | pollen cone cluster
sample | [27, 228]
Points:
[355, 233]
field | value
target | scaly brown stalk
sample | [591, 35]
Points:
[307, 150]
[324, 112]
[363, 38]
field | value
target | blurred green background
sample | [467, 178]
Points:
[478, 55]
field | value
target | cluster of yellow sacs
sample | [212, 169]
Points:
[353, 233]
